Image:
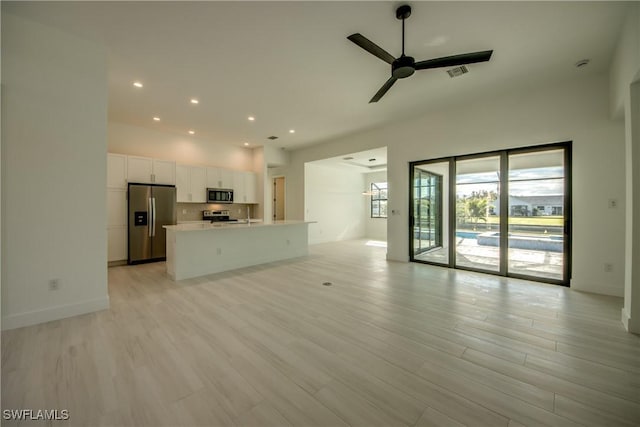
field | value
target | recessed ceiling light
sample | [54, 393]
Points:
[292, 131]
[194, 101]
[251, 118]
[192, 132]
[156, 119]
[246, 144]
[137, 84]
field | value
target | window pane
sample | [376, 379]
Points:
[477, 220]
[536, 223]
[383, 208]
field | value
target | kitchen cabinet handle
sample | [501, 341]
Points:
[150, 216]
[153, 205]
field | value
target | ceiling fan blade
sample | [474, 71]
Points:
[371, 47]
[455, 60]
[385, 87]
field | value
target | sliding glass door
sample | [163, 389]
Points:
[510, 212]
[430, 213]
[537, 209]
[477, 233]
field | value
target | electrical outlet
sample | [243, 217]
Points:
[613, 203]
[608, 267]
[54, 284]
[184, 211]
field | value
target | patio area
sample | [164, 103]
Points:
[540, 263]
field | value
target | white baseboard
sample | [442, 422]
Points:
[610, 290]
[630, 324]
[29, 318]
[625, 319]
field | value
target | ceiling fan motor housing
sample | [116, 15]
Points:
[403, 67]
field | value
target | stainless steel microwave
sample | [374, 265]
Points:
[219, 195]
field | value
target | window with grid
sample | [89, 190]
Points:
[378, 200]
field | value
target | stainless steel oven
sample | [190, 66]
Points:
[219, 195]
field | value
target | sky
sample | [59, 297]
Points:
[518, 184]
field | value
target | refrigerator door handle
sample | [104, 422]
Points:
[153, 204]
[150, 219]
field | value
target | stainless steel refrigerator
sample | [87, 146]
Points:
[150, 207]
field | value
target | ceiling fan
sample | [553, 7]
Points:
[405, 66]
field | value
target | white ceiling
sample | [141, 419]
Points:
[368, 161]
[290, 65]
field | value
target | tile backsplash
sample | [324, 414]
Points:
[193, 211]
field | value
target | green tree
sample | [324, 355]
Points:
[476, 209]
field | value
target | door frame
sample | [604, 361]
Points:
[504, 209]
[273, 196]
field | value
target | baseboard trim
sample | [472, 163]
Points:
[629, 323]
[625, 319]
[583, 286]
[29, 318]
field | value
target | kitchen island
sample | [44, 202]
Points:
[198, 249]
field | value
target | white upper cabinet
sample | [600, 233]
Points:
[191, 184]
[251, 187]
[146, 170]
[183, 183]
[226, 178]
[164, 172]
[213, 178]
[244, 187]
[139, 169]
[198, 184]
[219, 178]
[117, 171]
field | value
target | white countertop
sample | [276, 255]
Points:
[199, 226]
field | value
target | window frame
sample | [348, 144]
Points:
[379, 199]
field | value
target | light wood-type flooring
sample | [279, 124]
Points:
[387, 344]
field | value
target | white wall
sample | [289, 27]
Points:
[625, 103]
[375, 228]
[626, 61]
[575, 110]
[54, 94]
[333, 197]
[260, 169]
[275, 156]
[138, 141]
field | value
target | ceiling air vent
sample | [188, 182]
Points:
[457, 71]
[272, 137]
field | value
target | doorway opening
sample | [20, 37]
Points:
[278, 198]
